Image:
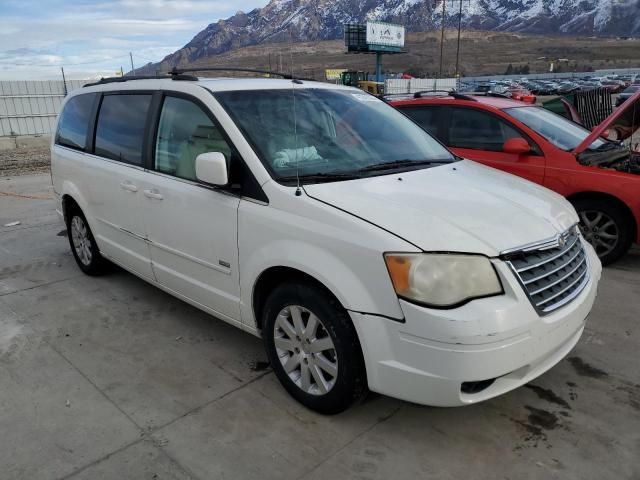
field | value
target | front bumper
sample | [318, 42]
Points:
[427, 358]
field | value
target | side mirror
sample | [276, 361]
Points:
[211, 167]
[516, 146]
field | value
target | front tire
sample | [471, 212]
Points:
[83, 246]
[606, 226]
[313, 347]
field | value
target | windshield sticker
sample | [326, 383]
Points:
[364, 97]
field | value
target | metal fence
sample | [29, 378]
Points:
[413, 85]
[31, 107]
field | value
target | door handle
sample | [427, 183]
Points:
[153, 193]
[128, 186]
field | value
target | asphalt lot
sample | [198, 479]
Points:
[111, 378]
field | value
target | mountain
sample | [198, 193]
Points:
[312, 20]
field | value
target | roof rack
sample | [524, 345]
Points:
[287, 76]
[434, 93]
[486, 94]
[128, 78]
[422, 93]
[180, 74]
[444, 93]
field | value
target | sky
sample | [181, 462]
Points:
[91, 39]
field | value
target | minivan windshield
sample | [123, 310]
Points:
[322, 134]
[563, 133]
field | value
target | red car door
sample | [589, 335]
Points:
[487, 138]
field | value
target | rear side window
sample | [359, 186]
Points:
[475, 129]
[120, 127]
[185, 131]
[426, 117]
[73, 124]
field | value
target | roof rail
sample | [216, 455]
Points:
[105, 80]
[180, 74]
[287, 76]
[429, 93]
[486, 94]
[421, 93]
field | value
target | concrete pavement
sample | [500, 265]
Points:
[111, 378]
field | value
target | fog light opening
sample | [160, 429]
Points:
[476, 387]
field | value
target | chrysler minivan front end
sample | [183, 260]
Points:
[527, 313]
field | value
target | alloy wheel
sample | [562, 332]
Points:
[81, 241]
[600, 230]
[306, 350]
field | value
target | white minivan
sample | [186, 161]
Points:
[316, 216]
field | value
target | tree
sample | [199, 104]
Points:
[509, 70]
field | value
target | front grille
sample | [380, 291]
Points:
[552, 273]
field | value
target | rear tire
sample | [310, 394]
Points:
[83, 246]
[313, 347]
[606, 226]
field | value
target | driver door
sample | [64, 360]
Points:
[480, 135]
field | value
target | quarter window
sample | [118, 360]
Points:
[74, 122]
[120, 129]
[184, 132]
[478, 130]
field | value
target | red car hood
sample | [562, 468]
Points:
[624, 121]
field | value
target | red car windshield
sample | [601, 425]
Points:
[561, 132]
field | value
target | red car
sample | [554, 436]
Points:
[599, 176]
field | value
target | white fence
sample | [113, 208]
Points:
[413, 85]
[31, 107]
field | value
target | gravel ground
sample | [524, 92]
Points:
[24, 161]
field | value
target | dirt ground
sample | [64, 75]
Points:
[24, 161]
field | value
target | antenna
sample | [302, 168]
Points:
[295, 115]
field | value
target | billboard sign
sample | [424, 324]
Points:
[386, 34]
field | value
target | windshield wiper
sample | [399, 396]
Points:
[322, 176]
[399, 164]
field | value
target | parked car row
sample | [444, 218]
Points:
[626, 94]
[613, 83]
[364, 252]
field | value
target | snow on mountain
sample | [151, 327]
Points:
[309, 20]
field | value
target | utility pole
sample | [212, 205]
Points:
[458, 47]
[444, 2]
[133, 70]
[64, 81]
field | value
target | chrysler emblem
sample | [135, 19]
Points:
[562, 242]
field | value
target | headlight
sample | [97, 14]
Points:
[442, 280]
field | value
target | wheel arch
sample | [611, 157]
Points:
[68, 204]
[273, 276]
[595, 195]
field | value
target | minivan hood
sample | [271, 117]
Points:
[458, 207]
